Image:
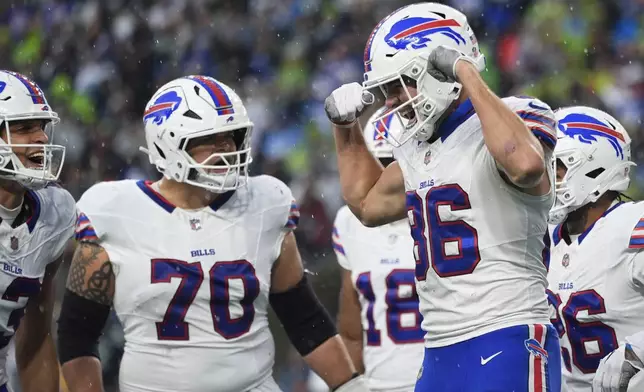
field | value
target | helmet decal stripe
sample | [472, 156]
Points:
[217, 93]
[597, 127]
[367, 48]
[428, 26]
[35, 92]
[587, 129]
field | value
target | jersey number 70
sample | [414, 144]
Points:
[424, 213]
[174, 327]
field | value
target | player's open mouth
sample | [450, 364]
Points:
[36, 159]
[408, 113]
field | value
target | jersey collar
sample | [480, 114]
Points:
[30, 211]
[608, 211]
[461, 114]
[146, 187]
[558, 232]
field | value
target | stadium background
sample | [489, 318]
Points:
[100, 61]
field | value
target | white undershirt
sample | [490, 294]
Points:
[10, 215]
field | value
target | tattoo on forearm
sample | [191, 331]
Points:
[98, 287]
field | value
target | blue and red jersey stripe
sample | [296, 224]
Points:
[637, 237]
[293, 216]
[84, 229]
[335, 238]
[543, 128]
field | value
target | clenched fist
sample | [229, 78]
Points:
[442, 63]
[346, 103]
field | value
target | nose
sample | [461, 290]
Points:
[391, 101]
[39, 136]
[224, 142]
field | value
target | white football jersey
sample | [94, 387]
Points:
[478, 241]
[382, 270]
[192, 286]
[596, 290]
[26, 251]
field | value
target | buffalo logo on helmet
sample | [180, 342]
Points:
[162, 108]
[414, 33]
[587, 129]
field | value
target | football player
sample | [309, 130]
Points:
[378, 317]
[473, 175]
[36, 221]
[190, 263]
[596, 278]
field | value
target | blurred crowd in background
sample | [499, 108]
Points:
[99, 61]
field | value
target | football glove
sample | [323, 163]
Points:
[346, 103]
[441, 63]
[622, 369]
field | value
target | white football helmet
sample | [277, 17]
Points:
[398, 49]
[192, 107]
[21, 99]
[376, 133]
[596, 151]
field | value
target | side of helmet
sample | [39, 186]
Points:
[192, 107]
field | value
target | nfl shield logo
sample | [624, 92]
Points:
[195, 224]
[566, 260]
[428, 156]
[14, 243]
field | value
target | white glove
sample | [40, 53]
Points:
[637, 383]
[616, 370]
[346, 103]
[358, 384]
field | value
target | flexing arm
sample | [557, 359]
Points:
[375, 195]
[35, 351]
[349, 322]
[86, 305]
[307, 323]
[518, 153]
